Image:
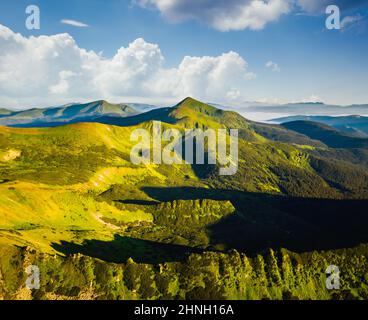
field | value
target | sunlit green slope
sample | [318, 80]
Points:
[73, 189]
[77, 177]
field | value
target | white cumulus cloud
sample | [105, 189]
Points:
[227, 15]
[51, 70]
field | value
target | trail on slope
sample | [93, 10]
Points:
[98, 218]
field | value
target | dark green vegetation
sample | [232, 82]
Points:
[210, 275]
[181, 232]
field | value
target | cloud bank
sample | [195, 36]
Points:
[223, 15]
[50, 70]
[227, 15]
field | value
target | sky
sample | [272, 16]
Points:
[160, 51]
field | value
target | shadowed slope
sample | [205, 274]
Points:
[122, 248]
[262, 221]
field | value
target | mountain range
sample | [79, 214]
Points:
[101, 227]
[71, 113]
[309, 109]
[354, 125]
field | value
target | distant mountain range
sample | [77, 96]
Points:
[67, 114]
[356, 126]
[309, 108]
[4, 112]
[141, 107]
[316, 130]
[335, 132]
[90, 112]
[326, 134]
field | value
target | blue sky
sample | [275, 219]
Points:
[306, 61]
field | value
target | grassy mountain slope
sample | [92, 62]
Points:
[94, 158]
[190, 114]
[73, 189]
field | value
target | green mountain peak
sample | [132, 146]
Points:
[196, 105]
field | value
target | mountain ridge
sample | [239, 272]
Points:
[327, 134]
[65, 114]
[355, 125]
